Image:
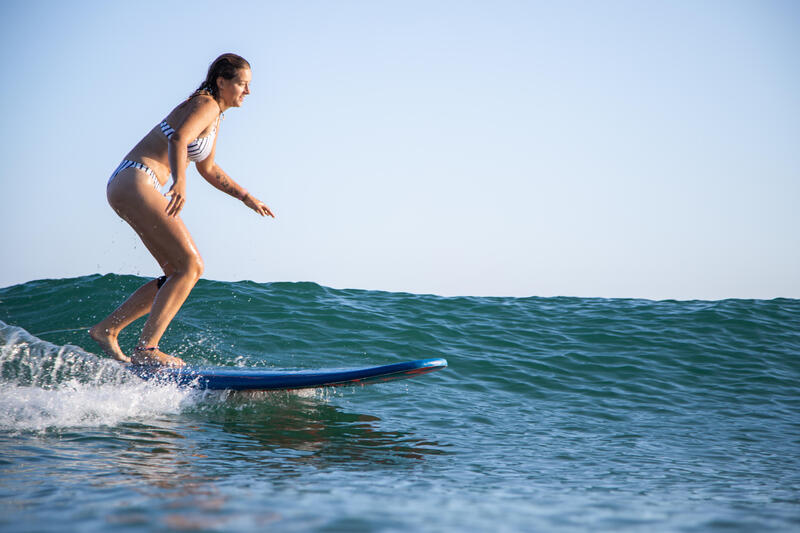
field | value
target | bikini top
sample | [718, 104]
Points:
[199, 148]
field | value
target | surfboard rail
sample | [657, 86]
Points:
[231, 378]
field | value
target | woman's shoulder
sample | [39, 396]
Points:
[202, 98]
[198, 105]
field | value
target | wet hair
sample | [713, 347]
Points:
[226, 66]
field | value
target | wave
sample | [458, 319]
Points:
[611, 357]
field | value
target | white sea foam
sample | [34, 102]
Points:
[45, 386]
[75, 404]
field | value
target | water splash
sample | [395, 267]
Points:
[45, 386]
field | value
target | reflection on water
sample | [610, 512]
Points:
[282, 430]
[185, 470]
[296, 429]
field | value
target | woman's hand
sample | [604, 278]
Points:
[256, 205]
[177, 194]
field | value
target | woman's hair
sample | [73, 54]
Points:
[226, 66]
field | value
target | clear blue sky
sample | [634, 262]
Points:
[618, 149]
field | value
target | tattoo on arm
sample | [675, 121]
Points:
[225, 183]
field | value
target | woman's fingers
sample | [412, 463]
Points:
[175, 204]
[258, 206]
[262, 209]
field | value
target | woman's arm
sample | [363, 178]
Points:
[219, 179]
[199, 116]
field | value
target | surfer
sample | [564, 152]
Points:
[188, 133]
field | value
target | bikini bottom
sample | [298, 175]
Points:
[149, 171]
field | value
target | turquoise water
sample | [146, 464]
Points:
[555, 414]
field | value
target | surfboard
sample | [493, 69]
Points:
[241, 379]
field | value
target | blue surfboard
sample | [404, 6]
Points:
[241, 379]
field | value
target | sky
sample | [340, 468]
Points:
[637, 149]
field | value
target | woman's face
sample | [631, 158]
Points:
[233, 91]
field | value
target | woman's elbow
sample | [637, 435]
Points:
[205, 168]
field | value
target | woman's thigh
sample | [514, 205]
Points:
[135, 200]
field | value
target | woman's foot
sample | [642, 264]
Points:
[153, 356]
[108, 342]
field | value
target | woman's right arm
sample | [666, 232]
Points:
[203, 110]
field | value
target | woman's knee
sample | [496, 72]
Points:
[190, 266]
[189, 271]
[195, 266]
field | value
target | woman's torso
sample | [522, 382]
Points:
[153, 149]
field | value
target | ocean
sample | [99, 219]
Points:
[555, 414]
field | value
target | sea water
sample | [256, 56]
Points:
[555, 414]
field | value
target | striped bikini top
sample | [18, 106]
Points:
[199, 148]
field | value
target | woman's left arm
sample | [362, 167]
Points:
[219, 179]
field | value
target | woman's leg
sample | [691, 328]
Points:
[134, 199]
[137, 305]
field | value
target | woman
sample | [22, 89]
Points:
[188, 133]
